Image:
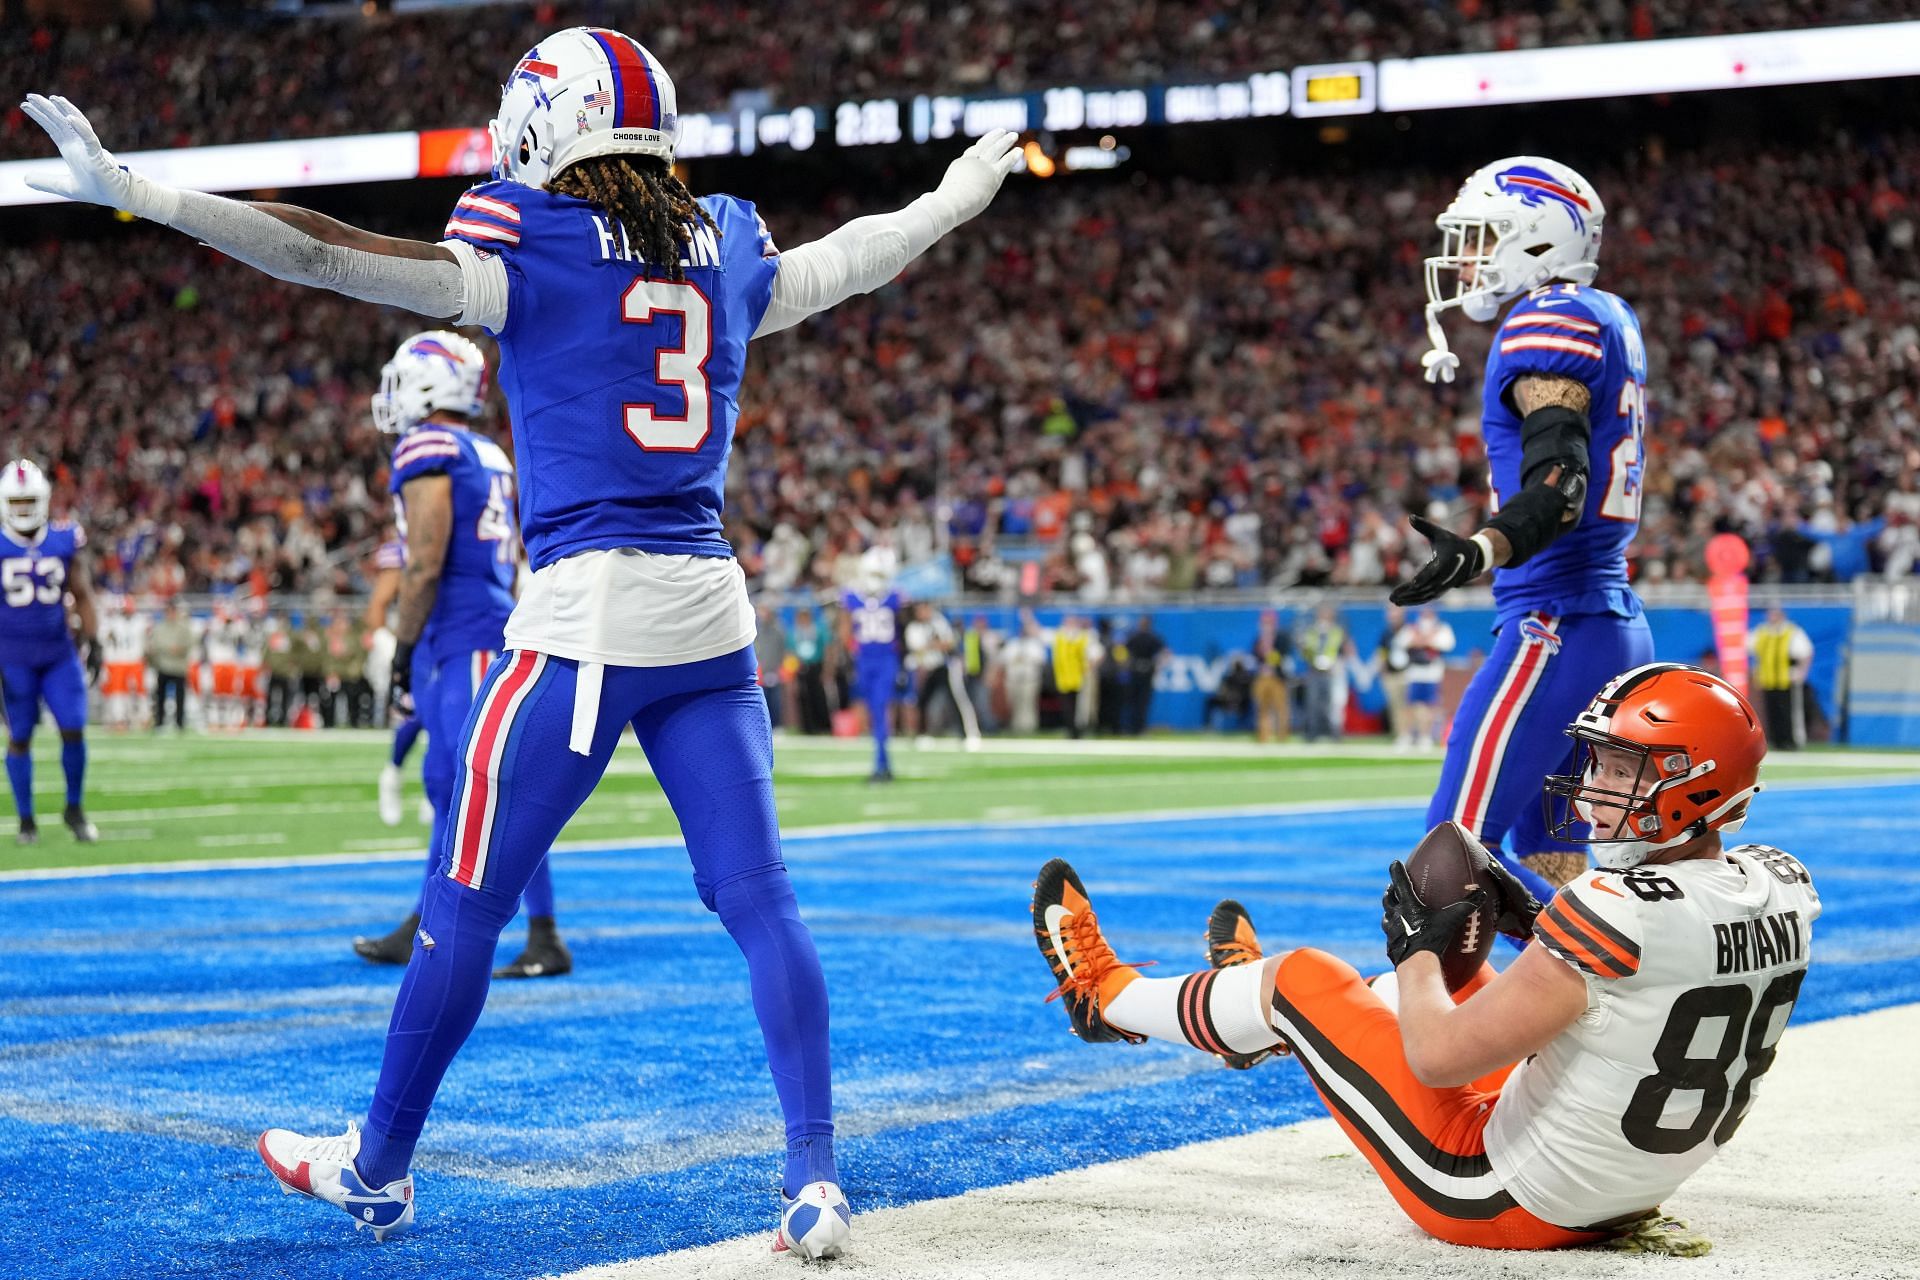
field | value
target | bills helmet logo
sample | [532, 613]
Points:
[1537, 187]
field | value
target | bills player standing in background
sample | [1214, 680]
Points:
[873, 630]
[1561, 1100]
[1563, 415]
[624, 308]
[453, 500]
[40, 566]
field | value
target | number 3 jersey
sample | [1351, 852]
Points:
[33, 592]
[1592, 337]
[625, 389]
[475, 596]
[1692, 969]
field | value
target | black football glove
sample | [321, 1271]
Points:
[90, 647]
[400, 682]
[1412, 926]
[1456, 562]
[1515, 905]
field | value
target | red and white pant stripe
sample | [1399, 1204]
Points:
[1503, 714]
[480, 794]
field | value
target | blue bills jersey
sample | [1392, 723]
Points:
[33, 592]
[624, 388]
[1591, 336]
[875, 622]
[476, 579]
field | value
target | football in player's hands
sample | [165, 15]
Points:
[1445, 867]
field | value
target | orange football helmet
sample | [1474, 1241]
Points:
[1699, 745]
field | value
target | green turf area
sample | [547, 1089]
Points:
[278, 794]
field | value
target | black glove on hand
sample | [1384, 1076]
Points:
[1412, 926]
[91, 648]
[1516, 907]
[400, 682]
[1456, 562]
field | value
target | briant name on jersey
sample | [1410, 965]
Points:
[1744, 945]
[701, 251]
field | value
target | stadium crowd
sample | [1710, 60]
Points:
[186, 82]
[1115, 388]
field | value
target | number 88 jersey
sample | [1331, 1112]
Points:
[1692, 970]
[1593, 337]
[624, 385]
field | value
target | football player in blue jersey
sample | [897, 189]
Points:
[453, 499]
[40, 566]
[623, 308]
[1563, 414]
[872, 614]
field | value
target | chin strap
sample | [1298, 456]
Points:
[1439, 363]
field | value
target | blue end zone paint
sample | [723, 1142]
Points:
[150, 1025]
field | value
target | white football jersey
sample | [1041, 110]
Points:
[1692, 969]
[123, 638]
[223, 642]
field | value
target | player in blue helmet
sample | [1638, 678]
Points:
[41, 564]
[872, 628]
[624, 308]
[453, 499]
[1563, 414]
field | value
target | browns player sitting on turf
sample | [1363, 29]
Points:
[1559, 1101]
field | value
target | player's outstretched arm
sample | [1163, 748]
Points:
[288, 243]
[868, 252]
[1556, 437]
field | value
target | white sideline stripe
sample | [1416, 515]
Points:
[1807, 1188]
[934, 826]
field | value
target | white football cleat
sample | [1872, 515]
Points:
[814, 1224]
[390, 811]
[322, 1168]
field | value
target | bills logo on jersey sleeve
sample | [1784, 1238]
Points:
[1537, 187]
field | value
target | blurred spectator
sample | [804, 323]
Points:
[1232, 700]
[1273, 662]
[770, 652]
[1782, 653]
[1390, 669]
[1076, 663]
[1146, 654]
[1425, 643]
[170, 652]
[1025, 660]
[810, 644]
[1323, 646]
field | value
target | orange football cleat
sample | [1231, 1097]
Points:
[1082, 961]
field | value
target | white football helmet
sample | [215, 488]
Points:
[1517, 224]
[26, 497]
[582, 92]
[431, 371]
[877, 567]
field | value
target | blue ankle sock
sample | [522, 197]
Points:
[809, 1159]
[382, 1159]
[20, 777]
[73, 762]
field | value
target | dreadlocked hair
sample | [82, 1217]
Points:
[643, 195]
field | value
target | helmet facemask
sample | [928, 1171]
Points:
[1633, 812]
[27, 498]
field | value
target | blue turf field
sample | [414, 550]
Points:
[151, 1024]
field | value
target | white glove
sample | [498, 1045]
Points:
[975, 176]
[93, 176]
[1439, 365]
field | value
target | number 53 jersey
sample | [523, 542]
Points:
[1692, 970]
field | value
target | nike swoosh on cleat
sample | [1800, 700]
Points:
[1056, 914]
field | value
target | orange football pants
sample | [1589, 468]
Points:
[1427, 1144]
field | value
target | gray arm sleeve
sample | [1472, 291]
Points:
[857, 258]
[429, 288]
